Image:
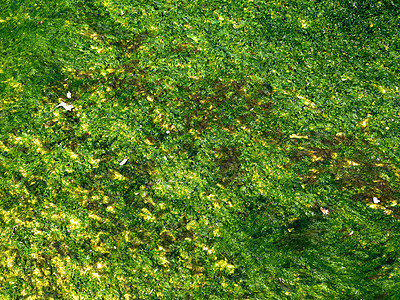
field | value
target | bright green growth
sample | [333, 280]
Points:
[258, 135]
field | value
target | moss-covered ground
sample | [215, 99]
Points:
[261, 139]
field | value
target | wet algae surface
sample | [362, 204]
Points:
[204, 150]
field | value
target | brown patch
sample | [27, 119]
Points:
[184, 234]
[167, 238]
[229, 164]
[195, 267]
[132, 45]
[204, 110]
[358, 174]
[73, 145]
[185, 48]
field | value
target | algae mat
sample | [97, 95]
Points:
[199, 149]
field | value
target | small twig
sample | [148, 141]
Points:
[13, 231]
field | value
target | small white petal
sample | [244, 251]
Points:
[168, 132]
[123, 162]
[69, 95]
[67, 107]
[376, 200]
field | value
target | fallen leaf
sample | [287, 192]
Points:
[67, 107]
[324, 210]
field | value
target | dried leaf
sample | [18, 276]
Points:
[324, 210]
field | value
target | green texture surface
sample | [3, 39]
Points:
[261, 138]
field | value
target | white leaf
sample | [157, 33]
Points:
[67, 107]
[376, 200]
[69, 95]
[123, 162]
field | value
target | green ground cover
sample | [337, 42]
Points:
[257, 136]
